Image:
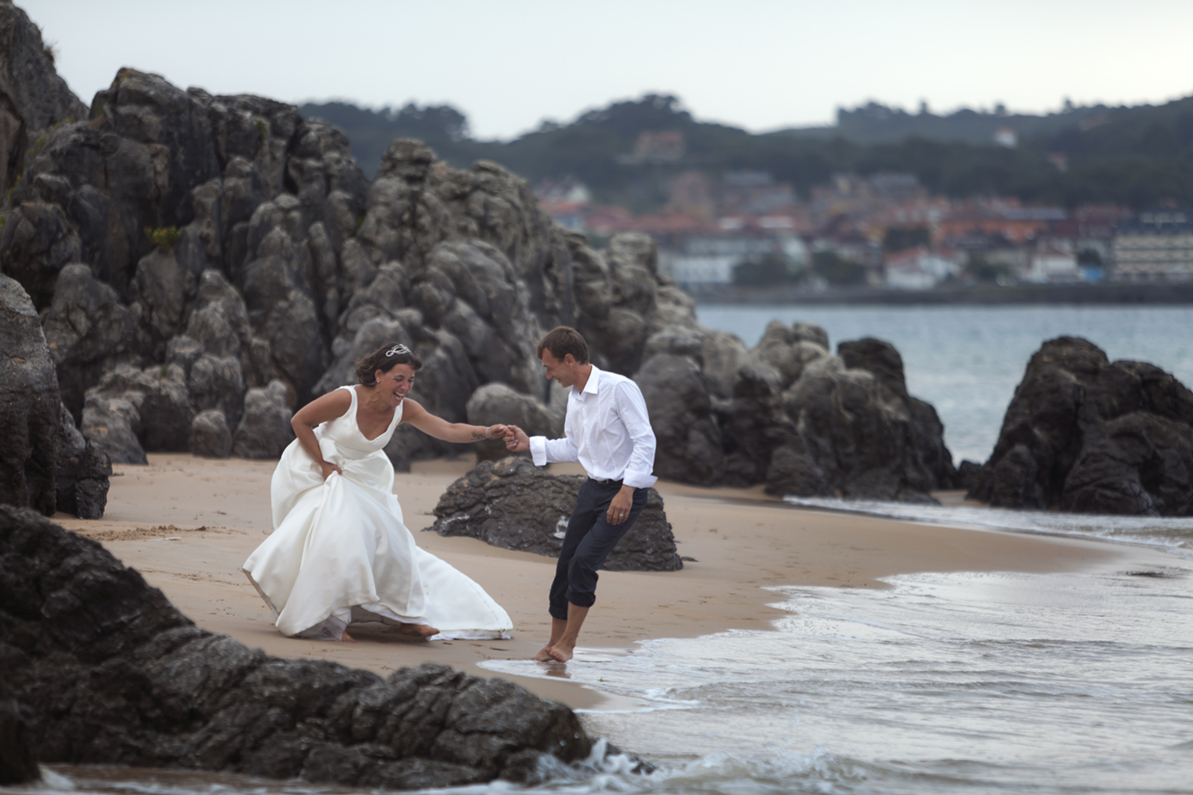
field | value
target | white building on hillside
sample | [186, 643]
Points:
[918, 269]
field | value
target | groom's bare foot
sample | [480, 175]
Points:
[346, 638]
[561, 652]
[418, 630]
[544, 654]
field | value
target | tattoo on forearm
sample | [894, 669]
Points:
[479, 435]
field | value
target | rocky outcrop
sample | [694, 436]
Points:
[1086, 434]
[29, 405]
[112, 673]
[82, 473]
[190, 250]
[33, 97]
[792, 415]
[515, 505]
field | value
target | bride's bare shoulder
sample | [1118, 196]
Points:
[325, 407]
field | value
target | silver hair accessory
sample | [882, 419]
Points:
[398, 349]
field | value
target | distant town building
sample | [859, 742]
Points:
[1156, 246]
[1051, 264]
[919, 269]
[736, 193]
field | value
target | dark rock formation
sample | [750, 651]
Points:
[210, 435]
[18, 763]
[858, 434]
[515, 505]
[81, 477]
[118, 676]
[188, 250]
[687, 436]
[33, 97]
[265, 429]
[791, 415]
[1089, 435]
[29, 404]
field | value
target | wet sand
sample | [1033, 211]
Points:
[187, 524]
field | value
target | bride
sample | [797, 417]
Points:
[339, 552]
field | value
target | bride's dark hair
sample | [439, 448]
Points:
[383, 359]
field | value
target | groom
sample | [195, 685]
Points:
[608, 431]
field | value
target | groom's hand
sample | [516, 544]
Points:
[516, 440]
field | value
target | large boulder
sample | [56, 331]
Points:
[494, 404]
[132, 411]
[88, 330]
[29, 404]
[1086, 434]
[688, 439]
[857, 434]
[265, 428]
[112, 673]
[515, 505]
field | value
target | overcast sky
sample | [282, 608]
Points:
[758, 64]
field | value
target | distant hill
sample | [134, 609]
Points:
[1136, 156]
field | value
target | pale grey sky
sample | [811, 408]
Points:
[758, 64]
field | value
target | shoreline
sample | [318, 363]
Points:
[1099, 294]
[188, 523]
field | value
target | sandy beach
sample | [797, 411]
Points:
[187, 524]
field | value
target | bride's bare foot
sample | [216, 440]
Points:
[544, 655]
[418, 630]
[346, 638]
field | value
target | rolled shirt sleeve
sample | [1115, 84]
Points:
[631, 406]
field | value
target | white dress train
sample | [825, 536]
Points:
[340, 553]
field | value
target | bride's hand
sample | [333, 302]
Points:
[495, 432]
[328, 468]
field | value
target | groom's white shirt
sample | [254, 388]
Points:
[607, 430]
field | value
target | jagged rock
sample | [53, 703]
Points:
[131, 412]
[36, 242]
[265, 428]
[1085, 434]
[854, 436]
[788, 350]
[88, 331]
[210, 435]
[114, 424]
[927, 431]
[119, 676]
[686, 432]
[35, 97]
[753, 425]
[29, 404]
[515, 505]
[82, 476]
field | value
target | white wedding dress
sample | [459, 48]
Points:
[340, 553]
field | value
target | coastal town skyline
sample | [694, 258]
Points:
[761, 68]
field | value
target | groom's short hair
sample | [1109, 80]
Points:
[563, 340]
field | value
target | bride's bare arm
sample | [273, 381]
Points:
[459, 432]
[320, 410]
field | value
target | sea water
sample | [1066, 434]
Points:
[941, 683]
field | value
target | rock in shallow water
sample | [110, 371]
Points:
[119, 676]
[1086, 434]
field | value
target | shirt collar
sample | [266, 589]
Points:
[590, 388]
